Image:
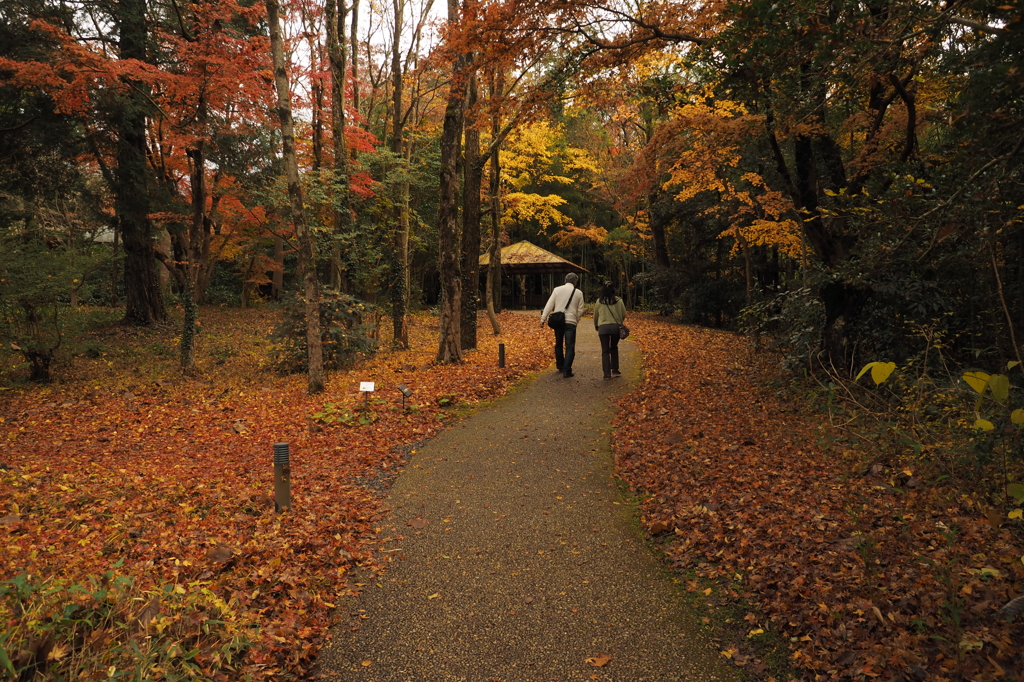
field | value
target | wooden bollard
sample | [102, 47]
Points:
[282, 478]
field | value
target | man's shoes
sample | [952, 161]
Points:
[607, 376]
[616, 372]
[568, 374]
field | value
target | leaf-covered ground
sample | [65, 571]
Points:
[125, 461]
[863, 570]
[866, 571]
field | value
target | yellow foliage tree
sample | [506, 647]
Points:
[535, 156]
[708, 136]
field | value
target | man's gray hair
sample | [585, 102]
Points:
[572, 278]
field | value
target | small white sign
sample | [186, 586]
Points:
[366, 387]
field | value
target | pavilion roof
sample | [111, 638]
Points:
[524, 258]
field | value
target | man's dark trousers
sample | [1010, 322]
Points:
[563, 359]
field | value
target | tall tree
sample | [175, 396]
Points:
[306, 248]
[145, 300]
[399, 279]
[450, 341]
[355, 56]
[337, 52]
[471, 214]
[493, 290]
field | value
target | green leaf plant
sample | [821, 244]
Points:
[995, 423]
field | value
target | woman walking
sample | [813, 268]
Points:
[609, 313]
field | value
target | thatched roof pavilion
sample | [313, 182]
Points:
[528, 263]
[524, 258]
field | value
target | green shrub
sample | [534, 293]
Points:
[347, 329]
[107, 628]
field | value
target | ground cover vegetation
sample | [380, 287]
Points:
[840, 181]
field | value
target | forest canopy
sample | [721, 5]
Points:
[841, 177]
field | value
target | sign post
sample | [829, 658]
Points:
[366, 388]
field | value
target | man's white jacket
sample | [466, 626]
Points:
[556, 302]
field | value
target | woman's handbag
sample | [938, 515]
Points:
[623, 330]
[556, 320]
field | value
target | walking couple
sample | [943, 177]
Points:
[563, 312]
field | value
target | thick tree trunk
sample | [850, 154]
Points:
[145, 300]
[307, 265]
[471, 229]
[657, 224]
[337, 53]
[449, 344]
[841, 301]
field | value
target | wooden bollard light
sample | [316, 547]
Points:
[282, 478]
[501, 355]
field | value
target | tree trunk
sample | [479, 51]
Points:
[318, 104]
[400, 241]
[842, 302]
[748, 266]
[657, 224]
[494, 249]
[277, 281]
[449, 344]
[189, 326]
[355, 57]
[145, 300]
[471, 229]
[306, 252]
[194, 250]
[337, 53]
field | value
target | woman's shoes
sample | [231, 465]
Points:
[607, 376]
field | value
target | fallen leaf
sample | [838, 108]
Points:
[220, 554]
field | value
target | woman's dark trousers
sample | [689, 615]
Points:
[609, 353]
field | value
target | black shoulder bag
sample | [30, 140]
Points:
[623, 329]
[556, 320]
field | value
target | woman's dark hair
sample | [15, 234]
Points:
[607, 294]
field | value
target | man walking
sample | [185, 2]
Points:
[563, 312]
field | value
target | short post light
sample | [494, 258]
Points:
[282, 478]
[501, 355]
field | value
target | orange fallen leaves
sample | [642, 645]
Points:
[861, 576]
[174, 477]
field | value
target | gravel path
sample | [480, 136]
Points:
[529, 563]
